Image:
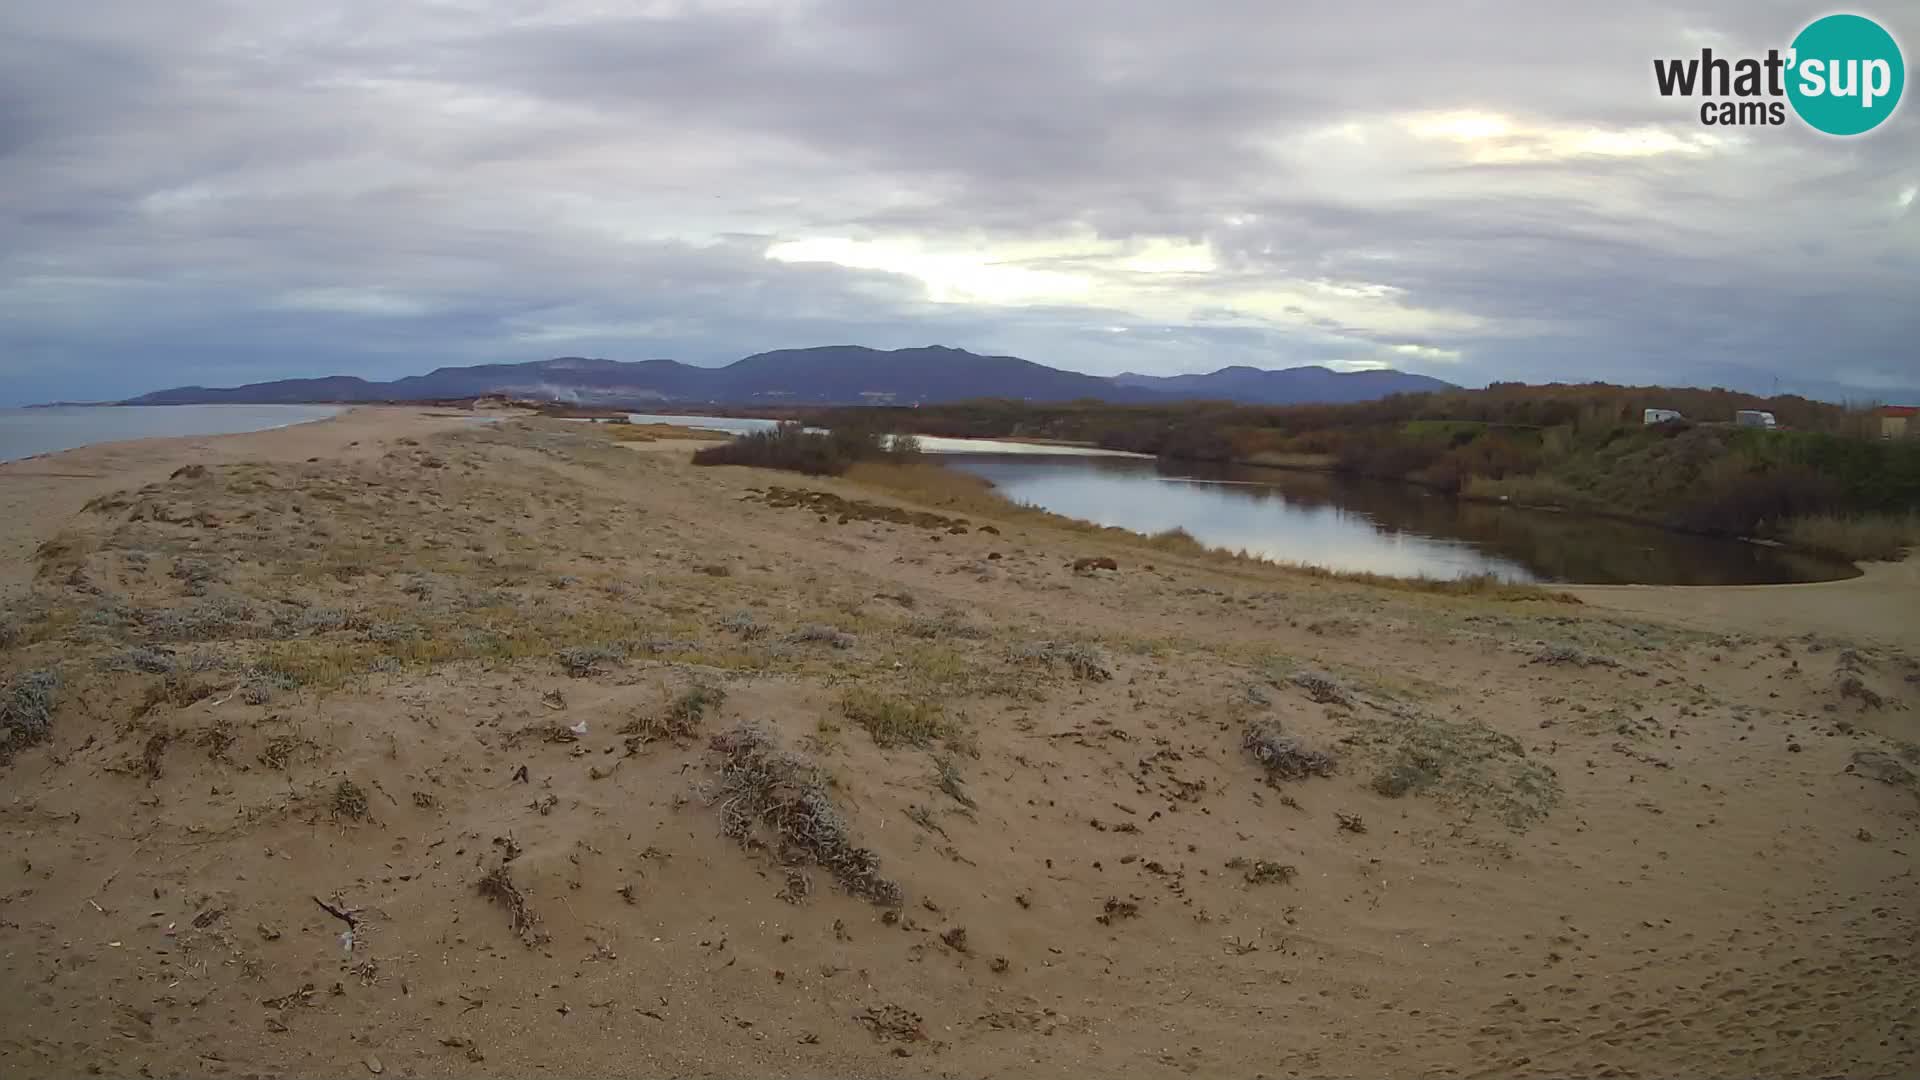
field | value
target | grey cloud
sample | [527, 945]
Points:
[513, 180]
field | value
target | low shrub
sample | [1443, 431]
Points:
[1859, 538]
[816, 633]
[581, 661]
[140, 659]
[1321, 687]
[1283, 756]
[817, 453]
[763, 788]
[895, 721]
[1084, 662]
[26, 711]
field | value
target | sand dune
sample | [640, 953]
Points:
[392, 744]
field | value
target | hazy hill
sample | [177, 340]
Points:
[1287, 386]
[830, 375]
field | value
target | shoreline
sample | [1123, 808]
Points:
[38, 455]
[1859, 569]
[1327, 468]
[1877, 606]
[1855, 568]
[1871, 604]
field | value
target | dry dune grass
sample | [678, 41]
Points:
[644, 433]
[1862, 538]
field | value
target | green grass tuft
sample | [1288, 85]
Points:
[895, 721]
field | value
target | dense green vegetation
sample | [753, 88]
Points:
[1715, 479]
[817, 453]
[1579, 447]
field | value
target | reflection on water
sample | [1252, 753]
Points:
[1344, 524]
[1321, 519]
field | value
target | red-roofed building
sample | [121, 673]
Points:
[1899, 421]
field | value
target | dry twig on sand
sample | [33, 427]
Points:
[497, 885]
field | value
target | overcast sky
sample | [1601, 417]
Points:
[224, 191]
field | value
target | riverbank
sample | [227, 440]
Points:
[1822, 482]
[1877, 607]
[1824, 537]
[381, 746]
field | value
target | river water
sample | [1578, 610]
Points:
[1322, 519]
[1342, 523]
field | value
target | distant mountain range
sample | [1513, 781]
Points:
[831, 375]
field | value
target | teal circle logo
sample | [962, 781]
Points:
[1845, 74]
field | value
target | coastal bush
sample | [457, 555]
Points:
[1085, 662]
[622, 430]
[387, 633]
[1532, 490]
[1737, 495]
[1283, 756]
[1571, 654]
[1493, 455]
[818, 633]
[140, 659]
[694, 703]
[1464, 763]
[317, 620]
[895, 721]
[194, 575]
[26, 711]
[938, 486]
[816, 453]
[219, 618]
[1176, 539]
[1321, 687]
[1857, 537]
[24, 618]
[1574, 446]
[764, 789]
[581, 661]
[943, 626]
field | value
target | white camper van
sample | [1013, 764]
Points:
[1660, 416]
[1754, 418]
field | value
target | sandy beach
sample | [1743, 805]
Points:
[1881, 606]
[396, 744]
